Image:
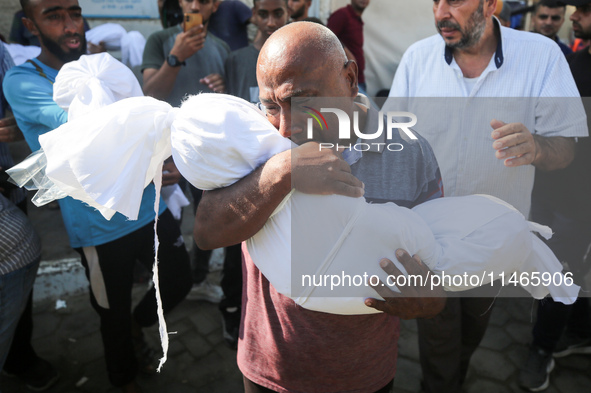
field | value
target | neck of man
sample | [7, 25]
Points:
[357, 10]
[49, 59]
[259, 40]
[474, 60]
[301, 17]
[553, 37]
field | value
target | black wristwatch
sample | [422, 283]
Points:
[174, 61]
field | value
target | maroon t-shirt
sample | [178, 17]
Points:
[348, 27]
[287, 348]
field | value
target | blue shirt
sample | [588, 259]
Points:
[30, 95]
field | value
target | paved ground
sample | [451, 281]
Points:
[199, 360]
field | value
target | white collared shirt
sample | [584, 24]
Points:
[458, 129]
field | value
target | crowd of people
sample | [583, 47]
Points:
[535, 157]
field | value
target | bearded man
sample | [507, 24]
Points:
[474, 57]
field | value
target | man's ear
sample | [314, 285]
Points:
[30, 25]
[490, 6]
[351, 72]
[216, 4]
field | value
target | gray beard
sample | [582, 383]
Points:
[473, 32]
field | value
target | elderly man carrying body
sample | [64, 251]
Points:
[283, 347]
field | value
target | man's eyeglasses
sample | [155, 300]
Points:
[555, 18]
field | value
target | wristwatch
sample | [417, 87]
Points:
[174, 61]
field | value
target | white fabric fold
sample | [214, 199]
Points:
[93, 82]
[117, 155]
[115, 37]
[175, 200]
[21, 53]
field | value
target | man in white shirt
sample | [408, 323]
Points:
[485, 145]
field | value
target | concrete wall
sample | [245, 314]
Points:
[8, 7]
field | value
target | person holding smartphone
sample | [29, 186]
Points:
[179, 61]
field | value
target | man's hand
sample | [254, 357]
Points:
[322, 172]
[215, 82]
[188, 43]
[513, 143]
[172, 175]
[411, 302]
[100, 48]
[9, 131]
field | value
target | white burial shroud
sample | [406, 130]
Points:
[218, 139]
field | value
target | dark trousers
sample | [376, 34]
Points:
[569, 243]
[251, 387]
[21, 354]
[232, 269]
[116, 261]
[447, 342]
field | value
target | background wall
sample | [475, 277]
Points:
[390, 27]
[8, 7]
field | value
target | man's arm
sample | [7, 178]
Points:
[158, 83]
[9, 131]
[31, 98]
[233, 214]
[516, 141]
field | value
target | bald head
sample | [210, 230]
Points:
[302, 46]
[303, 60]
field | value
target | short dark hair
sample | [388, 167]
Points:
[26, 6]
[256, 1]
[549, 4]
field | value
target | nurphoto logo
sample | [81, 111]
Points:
[344, 123]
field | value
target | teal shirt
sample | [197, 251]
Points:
[30, 96]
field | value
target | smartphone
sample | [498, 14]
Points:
[192, 20]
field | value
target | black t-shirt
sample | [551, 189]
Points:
[567, 191]
[580, 65]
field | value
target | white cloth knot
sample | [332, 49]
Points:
[218, 139]
[93, 82]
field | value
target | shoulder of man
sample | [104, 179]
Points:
[338, 13]
[19, 74]
[161, 35]
[523, 41]
[242, 52]
[154, 55]
[220, 43]
[575, 57]
[425, 46]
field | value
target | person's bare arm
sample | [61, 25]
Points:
[170, 173]
[233, 214]
[515, 144]
[423, 301]
[9, 131]
[158, 83]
